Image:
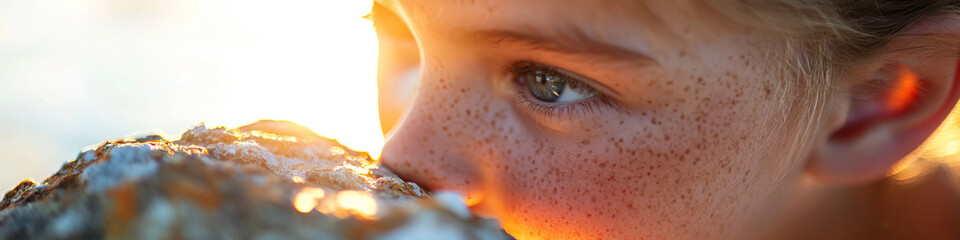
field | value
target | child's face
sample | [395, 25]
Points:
[680, 139]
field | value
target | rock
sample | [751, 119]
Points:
[270, 180]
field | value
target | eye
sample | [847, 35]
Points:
[550, 85]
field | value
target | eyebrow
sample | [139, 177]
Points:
[575, 44]
[567, 41]
[571, 41]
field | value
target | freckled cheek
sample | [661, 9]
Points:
[559, 185]
[607, 182]
[542, 192]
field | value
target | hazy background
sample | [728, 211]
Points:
[74, 73]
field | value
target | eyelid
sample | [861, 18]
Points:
[596, 85]
[602, 89]
[551, 114]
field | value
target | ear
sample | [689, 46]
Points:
[890, 106]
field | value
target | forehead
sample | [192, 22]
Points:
[620, 22]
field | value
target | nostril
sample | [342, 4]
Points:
[405, 170]
[415, 155]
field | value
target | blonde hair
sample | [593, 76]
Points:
[823, 39]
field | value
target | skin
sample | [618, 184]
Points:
[686, 140]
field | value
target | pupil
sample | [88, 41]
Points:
[545, 86]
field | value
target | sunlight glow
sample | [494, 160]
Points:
[941, 149]
[297, 179]
[310, 62]
[358, 202]
[905, 91]
[307, 199]
[78, 72]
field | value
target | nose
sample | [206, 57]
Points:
[432, 153]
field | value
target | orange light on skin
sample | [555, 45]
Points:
[902, 95]
[913, 171]
[358, 202]
[904, 92]
[307, 199]
[472, 200]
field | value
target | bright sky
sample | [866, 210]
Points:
[76, 72]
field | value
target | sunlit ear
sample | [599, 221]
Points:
[886, 113]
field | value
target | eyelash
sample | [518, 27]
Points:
[579, 109]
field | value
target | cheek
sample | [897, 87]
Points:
[627, 183]
[689, 164]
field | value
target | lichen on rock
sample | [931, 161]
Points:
[273, 180]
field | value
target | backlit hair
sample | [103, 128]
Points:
[823, 39]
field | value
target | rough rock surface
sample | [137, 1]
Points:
[269, 180]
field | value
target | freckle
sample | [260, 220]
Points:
[441, 80]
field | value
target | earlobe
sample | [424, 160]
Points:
[886, 119]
